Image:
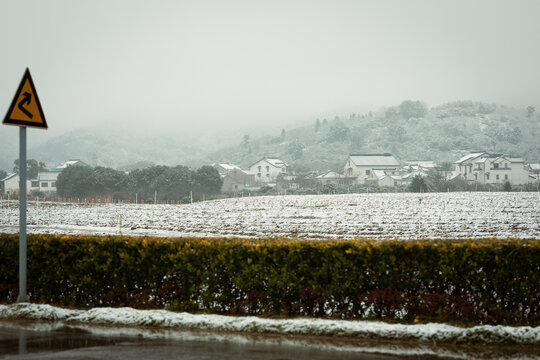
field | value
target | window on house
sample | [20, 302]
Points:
[259, 168]
[497, 177]
[495, 166]
[258, 174]
[487, 176]
[368, 172]
[34, 184]
[506, 165]
[53, 184]
[268, 169]
[267, 175]
[475, 176]
[44, 184]
[506, 177]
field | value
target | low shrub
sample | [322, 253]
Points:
[480, 281]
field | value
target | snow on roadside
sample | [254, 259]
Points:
[333, 344]
[439, 333]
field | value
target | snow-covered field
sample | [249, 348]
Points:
[400, 215]
[430, 338]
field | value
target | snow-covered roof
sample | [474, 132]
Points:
[413, 174]
[228, 166]
[65, 164]
[374, 160]
[534, 166]
[8, 177]
[469, 157]
[516, 160]
[276, 162]
[272, 161]
[380, 174]
[426, 164]
[331, 175]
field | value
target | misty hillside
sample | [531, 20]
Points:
[410, 131]
[109, 148]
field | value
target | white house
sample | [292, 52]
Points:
[10, 184]
[363, 167]
[237, 180]
[491, 169]
[45, 182]
[268, 169]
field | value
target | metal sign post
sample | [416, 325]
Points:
[23, 296]
[25, 111]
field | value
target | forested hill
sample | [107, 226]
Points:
[410, 131]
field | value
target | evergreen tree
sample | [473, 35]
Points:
[417, 184]
[317, 125]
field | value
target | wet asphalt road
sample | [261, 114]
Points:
[45, 341]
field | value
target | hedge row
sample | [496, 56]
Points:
[492, 281]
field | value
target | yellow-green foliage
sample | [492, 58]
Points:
[493, 281]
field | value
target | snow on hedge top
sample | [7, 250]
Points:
[399, 215]
[485, 334]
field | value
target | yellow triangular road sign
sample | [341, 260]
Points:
[25, 109]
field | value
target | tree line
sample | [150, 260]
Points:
[161, 183]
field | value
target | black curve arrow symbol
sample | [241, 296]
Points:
[26, 100]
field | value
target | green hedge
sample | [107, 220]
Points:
[492, 281]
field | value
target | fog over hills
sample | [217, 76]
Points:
[409, 130]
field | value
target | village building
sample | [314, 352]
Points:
[268, 169]
[44, 182]
[333, 178]
[224, 168]
[237, 180]
[492, 169]
[382, 169]
[10, 184]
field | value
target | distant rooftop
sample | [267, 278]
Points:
[470, 156]
[331, 175]
[374, 159]
[273, 161]
[8, 177]
[66, 164]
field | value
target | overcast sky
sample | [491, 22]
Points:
[179, 65]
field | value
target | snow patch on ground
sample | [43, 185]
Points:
[439, 333]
